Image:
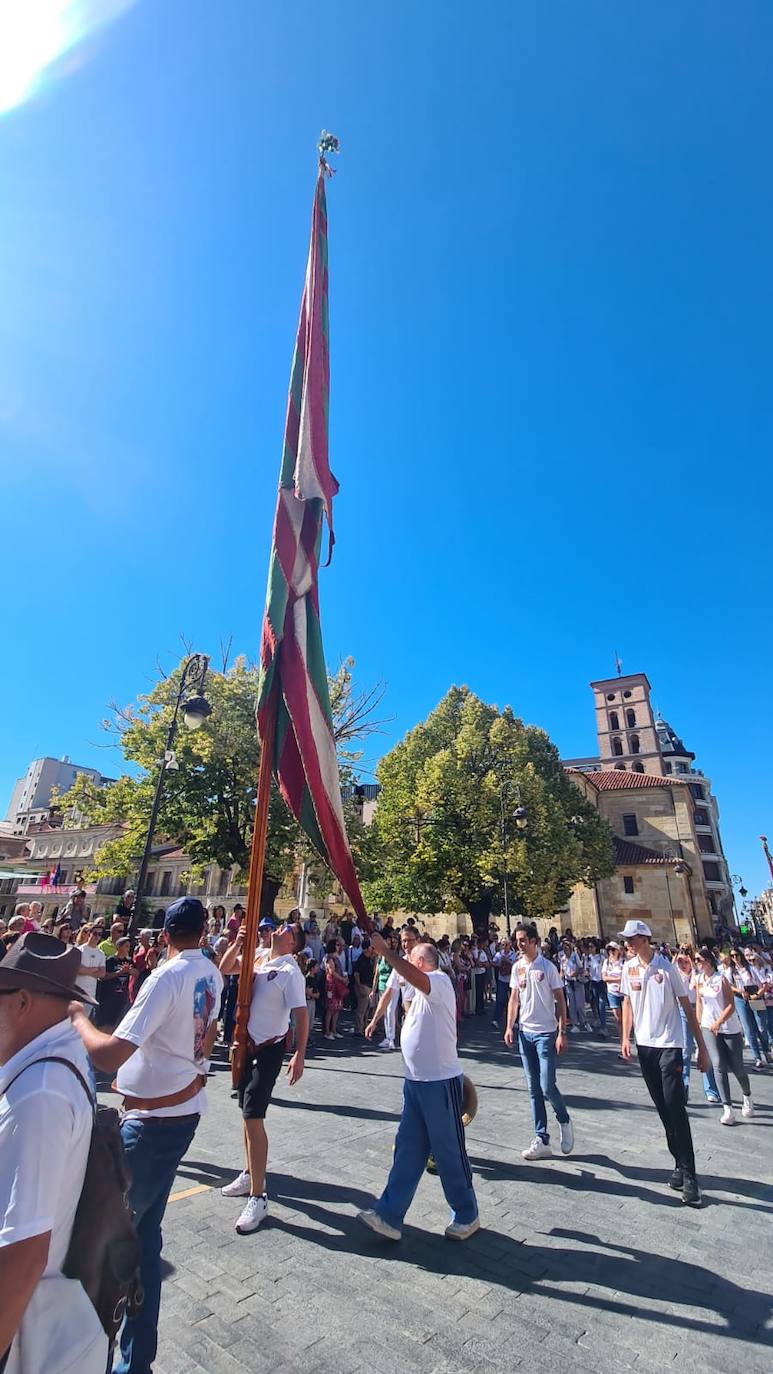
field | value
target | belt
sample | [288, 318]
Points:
[153, 1104]
[252, 1048]
[167, 1121]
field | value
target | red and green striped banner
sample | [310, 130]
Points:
[293, 674]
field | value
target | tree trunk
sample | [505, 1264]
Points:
[268, 895]
[480, 914]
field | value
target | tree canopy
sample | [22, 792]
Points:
[208, 803]
[443, 833]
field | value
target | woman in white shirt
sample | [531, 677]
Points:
[683, 963]
[722, 1032]
[745, 984]
[611, 973]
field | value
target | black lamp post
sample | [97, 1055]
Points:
[195, 709]
[521, 818]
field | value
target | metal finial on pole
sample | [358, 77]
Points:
[328, 143]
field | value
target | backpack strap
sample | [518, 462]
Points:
[57, 1059]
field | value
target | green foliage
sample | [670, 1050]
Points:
[437, 840]
[208, 804]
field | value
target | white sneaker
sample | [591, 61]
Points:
[759, 1064]
[239, 1187]
[748, 1107]
[255, 1211]
[566, 1132]
[374, 1222]
[387, 1045]
[728, 1117]
[537, 1150]
[462, 1231]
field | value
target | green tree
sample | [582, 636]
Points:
[208, 803]
[438, 841]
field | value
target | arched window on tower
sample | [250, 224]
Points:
[630, 718]
[617, 746]
[633, 741]
[638, 767]
[614, 720]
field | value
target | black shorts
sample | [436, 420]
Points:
[261, 1071]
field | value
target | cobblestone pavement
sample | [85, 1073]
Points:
[588, 1259]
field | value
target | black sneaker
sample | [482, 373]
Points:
[691, 1193]
[676, 1181]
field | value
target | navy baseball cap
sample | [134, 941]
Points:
[185, 917]
[267, 924]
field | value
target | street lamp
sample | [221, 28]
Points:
[521, 818]
[195, 709]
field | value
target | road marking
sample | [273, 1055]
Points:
[189, 1192]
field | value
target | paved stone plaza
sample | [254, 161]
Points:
[584, 1262]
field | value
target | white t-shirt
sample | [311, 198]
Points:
[713, 999]
[687, 983]
[612, 972]
[536, 981]
[45, 1133]
[654, 990]
[173, 1011]
[596, 963]
[93, 958]
[407, 989]
[428, 1040]
[277, 989]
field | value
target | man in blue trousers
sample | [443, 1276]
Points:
[431, 1123]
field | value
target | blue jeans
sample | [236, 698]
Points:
[503, 997]
[598, 998]
[709, 1081]
[750, 1030]
[538, 1056]
[154, 1147]
[431, 1124]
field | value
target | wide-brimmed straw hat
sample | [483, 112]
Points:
[41, 963]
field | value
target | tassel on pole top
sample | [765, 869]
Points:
[328, 143]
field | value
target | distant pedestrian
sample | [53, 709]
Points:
[722, 1033]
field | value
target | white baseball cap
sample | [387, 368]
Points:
[634, 928]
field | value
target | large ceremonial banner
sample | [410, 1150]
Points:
[293, 713]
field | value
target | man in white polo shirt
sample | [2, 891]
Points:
[161, 1052]
[278, 988]
[538, 1003]
[652, 992]
[431, 1123]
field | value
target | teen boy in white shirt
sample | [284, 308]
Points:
[537, 1001]
[431, 1122]
[278, 988]
[653, 991]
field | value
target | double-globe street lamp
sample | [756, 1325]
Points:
[195, 709]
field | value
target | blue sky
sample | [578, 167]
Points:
[551, 294]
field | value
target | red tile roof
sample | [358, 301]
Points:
[629, 855]
[618, 778]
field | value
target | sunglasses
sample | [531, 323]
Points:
[8, 992]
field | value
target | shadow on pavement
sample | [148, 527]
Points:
[522, 1268]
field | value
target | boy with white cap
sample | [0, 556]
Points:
[653, 992]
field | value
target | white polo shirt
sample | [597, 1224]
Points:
[174, 1009]
[653, 990]
[277, 989]
[537, 981]
[45, 1133]
[428, 1040]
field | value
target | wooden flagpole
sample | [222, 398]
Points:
[254, 892]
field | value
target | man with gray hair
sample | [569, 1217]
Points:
[431, 1123]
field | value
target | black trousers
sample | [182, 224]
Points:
[662, 1072]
